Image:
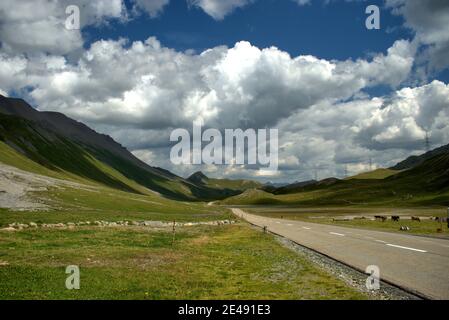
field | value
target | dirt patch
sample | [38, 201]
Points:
[200, 240]
[19, 189]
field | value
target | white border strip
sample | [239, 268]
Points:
[406, 248]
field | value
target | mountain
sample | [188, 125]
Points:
[413, 161]
[198, 178]
[289, 188]
[231, 186]
[305, 185]
[426, 184]
[271, 187]
[69, 147]
[432, 174]
[277, 184]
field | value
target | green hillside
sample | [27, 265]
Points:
[425, 185]
[94, 200]
[62, 156]
[238, 185]
[376, 174]
[253, 197]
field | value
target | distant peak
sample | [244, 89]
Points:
[198, 177]
[198, 174]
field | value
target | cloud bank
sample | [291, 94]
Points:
[139, 91]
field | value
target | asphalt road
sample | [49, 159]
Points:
[415, 263]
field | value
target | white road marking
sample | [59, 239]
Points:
[406, 248]
[337, 234]
[306, 228]
[381, 241]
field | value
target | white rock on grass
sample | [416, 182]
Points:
[9, 229]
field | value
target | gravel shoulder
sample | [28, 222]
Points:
[350, 276]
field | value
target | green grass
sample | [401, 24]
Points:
[424, 227]
[252, 197]
[376, 174]
[101, 203]
[334, 215]
[232, 184]
[347, 193]
[228, 262]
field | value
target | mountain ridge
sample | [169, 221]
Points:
[61, 143]
[414, 161]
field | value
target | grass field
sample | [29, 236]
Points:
[101, 203]
[205, 262]
[226, 262]
[336, 215]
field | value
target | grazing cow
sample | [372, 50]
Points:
[395, 218]
[381, 218]
[416, 219]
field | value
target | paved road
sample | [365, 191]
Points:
[415, 263]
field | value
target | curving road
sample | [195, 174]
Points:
[418, 264]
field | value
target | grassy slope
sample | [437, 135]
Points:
[62, 156]
[421, 191]
[100, 202]
[252, 197]
[376, 174]
[232, 184]
[425, 185]
[229, 262]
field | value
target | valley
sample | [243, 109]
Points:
[72, 196]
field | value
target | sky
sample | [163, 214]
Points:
[344, 99]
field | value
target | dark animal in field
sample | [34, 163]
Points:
[381, 218]
[340, 219]
[395, 218]
[416, 219]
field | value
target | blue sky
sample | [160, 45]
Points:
[331, 31]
